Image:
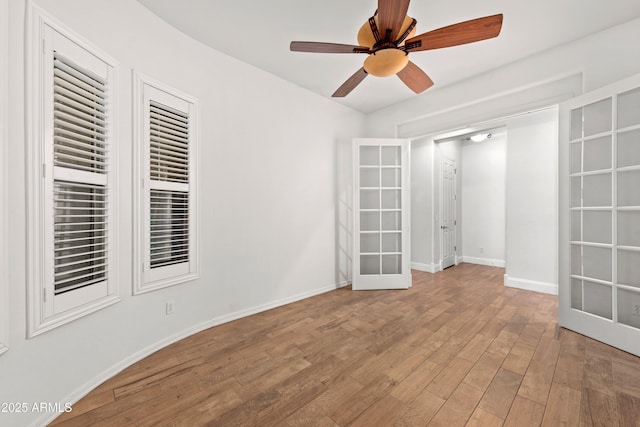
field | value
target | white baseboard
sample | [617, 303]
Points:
[152, 348]
[531, 285]
[428, 268]
[483, 261]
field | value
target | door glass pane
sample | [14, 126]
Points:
[576, 123]
[597, 154]
[369, 177]
[576, 157]
[629, 148]
[392, 242]
[369, 242]
[629, 108]
[576, 294]
[596, 263]
[597, 190]
[369, 221]
[391, 199]
[391, 156]
[576, 192]
[597, 117]
[597, 299]
[629, 188]
[629, 268]
[369, 199]
[597, 226]
[369, 264]
[369, 155]
[629, 228]
[391, 221]
[576, 260]
[628, 307]
[391, 264]
[576, 226]
[391, 177]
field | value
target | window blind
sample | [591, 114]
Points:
[169, 139]
[168, 162]
[80, 208]
[79, 117]
[80, 225]
[169, 228]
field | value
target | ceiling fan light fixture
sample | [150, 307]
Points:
[386, 62]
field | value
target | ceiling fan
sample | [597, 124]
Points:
[389, 36]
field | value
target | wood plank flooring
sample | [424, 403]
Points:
[457, 349]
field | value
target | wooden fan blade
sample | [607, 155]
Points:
[319, 47]
[457, 34]
[350, 84]
[391, 14]
[416, 79]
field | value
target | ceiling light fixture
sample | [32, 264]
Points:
[479, 137]
[387, 57]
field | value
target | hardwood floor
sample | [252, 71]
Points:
[457, 349]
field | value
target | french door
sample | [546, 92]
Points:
[599, 283]
[381, 214]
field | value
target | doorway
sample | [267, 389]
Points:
[448, 223]
[472, 197]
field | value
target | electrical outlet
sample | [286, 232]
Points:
[168, 308]
[635, 309]
[481, 250]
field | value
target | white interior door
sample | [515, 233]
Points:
[381, 214]
[599, 289]
[448, 217]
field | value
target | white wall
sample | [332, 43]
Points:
[4, 69]
[422, 230]
[274, 191]
[532, 201]
[483, 177]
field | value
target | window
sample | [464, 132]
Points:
[166, 146]
[71, 179]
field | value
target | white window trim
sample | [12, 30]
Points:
[142, 283]
[38, 321]
[4, 205]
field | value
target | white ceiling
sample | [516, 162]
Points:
[258, 32]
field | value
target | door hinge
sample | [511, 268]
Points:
[44, 295]
[455, 222]
[455, 248]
